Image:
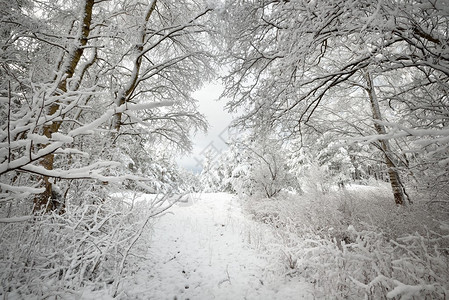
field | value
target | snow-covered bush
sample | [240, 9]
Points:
[217, 171]
[89, 247]
[262, 170]
[355, 243]
[188, 182]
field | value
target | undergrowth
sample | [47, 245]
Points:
[88, 248]
[357, 244]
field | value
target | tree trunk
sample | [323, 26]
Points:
[385, 145]
[46, 199]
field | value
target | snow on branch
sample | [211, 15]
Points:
[21, 189]
[90, 127]
[16, 219]
[399, 131]
[92, 171]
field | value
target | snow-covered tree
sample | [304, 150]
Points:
[288, 59]
[262, 169]
[216, 175]
[94, 105]
[90, 86]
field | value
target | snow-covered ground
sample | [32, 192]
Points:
[200, 250]
[208, 247]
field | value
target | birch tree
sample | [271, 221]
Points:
[380, 129]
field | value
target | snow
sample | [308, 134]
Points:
[151, 105]
[56, 136]
[90, 127]
[199, 250]
[408, 291]
[16, 219]
[21, 189]
[37, 138]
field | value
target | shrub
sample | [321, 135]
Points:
[88, 247]
[356, 244]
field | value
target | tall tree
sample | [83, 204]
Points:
[385, 144]
[289, 58]
[65, 70]
[92, 70]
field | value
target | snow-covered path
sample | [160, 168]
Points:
[200, 251]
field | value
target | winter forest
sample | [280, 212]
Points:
[334, 185]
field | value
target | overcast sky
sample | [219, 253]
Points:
[218, 119]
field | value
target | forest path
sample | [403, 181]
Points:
[199, 250]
